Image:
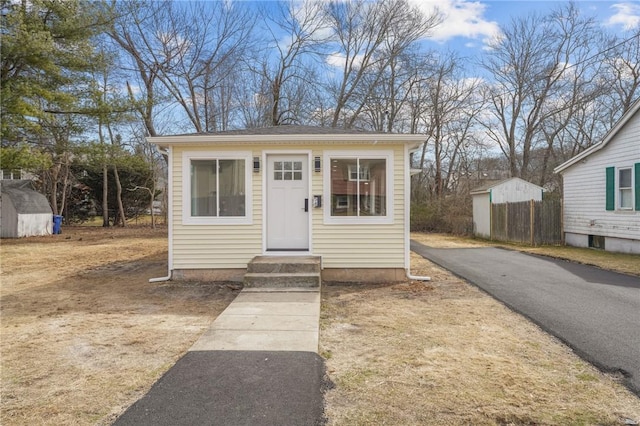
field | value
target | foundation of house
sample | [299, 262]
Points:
[292, 271]
[364, 275]
[235, 275]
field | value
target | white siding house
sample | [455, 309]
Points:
[601, 190]
[289, 190]
[510, 190]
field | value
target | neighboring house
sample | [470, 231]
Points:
[510, 190]
[24, 212]
[601, 190]
[289, 190]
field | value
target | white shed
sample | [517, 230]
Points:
[510, 190]
[24, 212]
[601, 190]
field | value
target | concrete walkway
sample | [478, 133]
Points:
[256, 365]
[266, 319]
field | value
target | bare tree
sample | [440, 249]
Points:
[533, 66]
[60, 148]
[622, 71]
[111, 107]
[578, 85]
[187, 47]
[391, 101]
[128, 31]
[296, 35]
[448, 120]
[368, 36]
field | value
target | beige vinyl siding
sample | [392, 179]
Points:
[585, 188]
[341, 246]
[362, 245]
[213, 246]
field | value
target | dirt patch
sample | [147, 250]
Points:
[84, 334]
[446, 241]
[443, 352]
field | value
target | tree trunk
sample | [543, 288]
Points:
[123, 221]
[54, 189]
[105, 195]
[65, 184]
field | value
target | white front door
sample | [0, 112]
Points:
[287, 203]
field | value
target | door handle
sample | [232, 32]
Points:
[306, 204]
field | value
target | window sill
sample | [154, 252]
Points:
[217, 221]
[354, 220]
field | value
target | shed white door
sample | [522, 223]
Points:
[287, 203]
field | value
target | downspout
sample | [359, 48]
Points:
[161, 279]
[407, 216]
[167, 152]
[417, 277]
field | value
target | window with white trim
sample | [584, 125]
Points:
[358, 187]
[216, 188]
[625, 189]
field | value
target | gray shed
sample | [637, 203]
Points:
[24, 212]
[510, 190]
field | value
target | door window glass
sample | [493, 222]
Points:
[287, 170]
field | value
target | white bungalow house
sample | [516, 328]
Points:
[601, 190]
[289, 190]
[511, 190]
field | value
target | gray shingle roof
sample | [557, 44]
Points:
[286, 130]
[24, 199]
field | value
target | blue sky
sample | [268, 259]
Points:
[468, 24]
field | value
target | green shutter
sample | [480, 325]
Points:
[637, 185]
[611, 188]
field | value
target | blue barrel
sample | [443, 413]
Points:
[57, 224]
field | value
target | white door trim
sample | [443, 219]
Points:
[265, 176]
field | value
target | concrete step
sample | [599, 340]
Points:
[284, 264]
[282, 280]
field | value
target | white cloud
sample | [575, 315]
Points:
[627, 15]
[339, 59]
[135, 89]
[462, 18]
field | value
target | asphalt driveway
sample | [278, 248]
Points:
[234, 388]
[595, 312]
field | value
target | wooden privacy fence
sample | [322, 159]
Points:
[530, 222]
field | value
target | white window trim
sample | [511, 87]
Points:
[362, 179]
[326, 193]
[187, 219]
[630, 188]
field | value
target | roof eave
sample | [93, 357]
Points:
[274, 139]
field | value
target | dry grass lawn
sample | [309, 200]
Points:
[620, 262]
[84, 334]
[445, 353]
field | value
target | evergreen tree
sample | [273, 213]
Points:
[47, 47]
